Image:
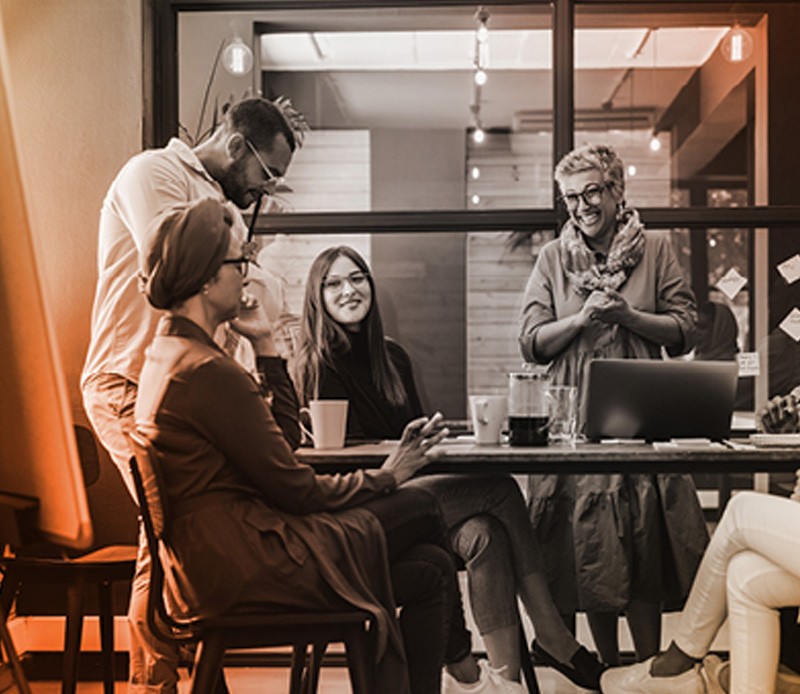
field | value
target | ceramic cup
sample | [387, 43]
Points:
[328, 422]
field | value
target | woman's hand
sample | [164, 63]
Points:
[252, 321]
[419, 436]
[594, 303]
[613, 309]
[779, 415]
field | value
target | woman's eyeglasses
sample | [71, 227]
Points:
[242, 264]
[591, 195]
[356, 279]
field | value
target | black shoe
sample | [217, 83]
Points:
[584, 669]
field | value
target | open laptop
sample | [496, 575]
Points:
[659, 400]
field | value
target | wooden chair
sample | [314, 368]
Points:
[101, 567]
[251, 629]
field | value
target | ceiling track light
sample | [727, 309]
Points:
[482, 32]
[655, 143]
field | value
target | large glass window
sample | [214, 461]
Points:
[697, 97]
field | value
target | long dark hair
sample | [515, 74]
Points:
[321, 337]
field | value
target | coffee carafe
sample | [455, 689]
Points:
[527, 406]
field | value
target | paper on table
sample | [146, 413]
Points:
[692, 443]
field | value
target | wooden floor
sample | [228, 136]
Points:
[272, 680]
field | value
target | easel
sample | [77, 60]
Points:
[17, 516]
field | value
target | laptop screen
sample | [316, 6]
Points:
[659, 400]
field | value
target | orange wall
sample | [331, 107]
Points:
[75, 69]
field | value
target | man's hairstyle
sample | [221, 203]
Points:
[594, 157]
[261, 121]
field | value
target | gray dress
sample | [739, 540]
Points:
[631, 536]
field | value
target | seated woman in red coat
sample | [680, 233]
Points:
[344, 354]
[250, 523]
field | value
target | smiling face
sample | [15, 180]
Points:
[246, 178]
[224, 292]
[347, 293]
[597, 217]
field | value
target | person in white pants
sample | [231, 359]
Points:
[751, 568]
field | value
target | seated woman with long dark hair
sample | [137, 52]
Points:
[343, 353]
[251, 524]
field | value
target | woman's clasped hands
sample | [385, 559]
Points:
[605, 305]
[419, 436]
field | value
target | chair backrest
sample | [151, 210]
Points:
[147, 480]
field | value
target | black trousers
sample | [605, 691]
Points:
[423, 574]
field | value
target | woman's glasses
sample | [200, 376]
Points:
[356, 279]
[591, 195]
[242, 264]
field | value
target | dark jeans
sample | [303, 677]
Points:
[425, 585]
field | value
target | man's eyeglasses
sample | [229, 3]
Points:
[242, 264]
[273, 180]
[356, 279]
[591, 194]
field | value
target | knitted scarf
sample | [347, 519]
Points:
[581, 266]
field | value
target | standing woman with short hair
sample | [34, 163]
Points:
[607, 288]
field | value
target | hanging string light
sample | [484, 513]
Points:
[631, 170]
[480, 61]
[655, 143]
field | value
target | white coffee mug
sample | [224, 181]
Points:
[488, 415]
[328, 422]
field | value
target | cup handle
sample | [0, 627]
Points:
[306, 432]
[480, 410]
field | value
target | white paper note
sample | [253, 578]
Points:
[749, 364]
[791, 324]
[790, 269]
[731, 283]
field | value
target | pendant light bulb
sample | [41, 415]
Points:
[237, 58]
[631, 169]
[737, 45]
[479, 135]
[480, 77]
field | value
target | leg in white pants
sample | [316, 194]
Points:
[109, 402]
[763, 524]
[757, 587]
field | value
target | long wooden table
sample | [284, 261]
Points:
[462, 457]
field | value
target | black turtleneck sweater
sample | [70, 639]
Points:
[370, 415]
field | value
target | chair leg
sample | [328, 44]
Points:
[72, 636]
[13, 658]
[298, 666]
[107, 636]
[360, 661]
[526, 664]
[314, 664]
[207, 664]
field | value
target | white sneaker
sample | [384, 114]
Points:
[490, 681]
